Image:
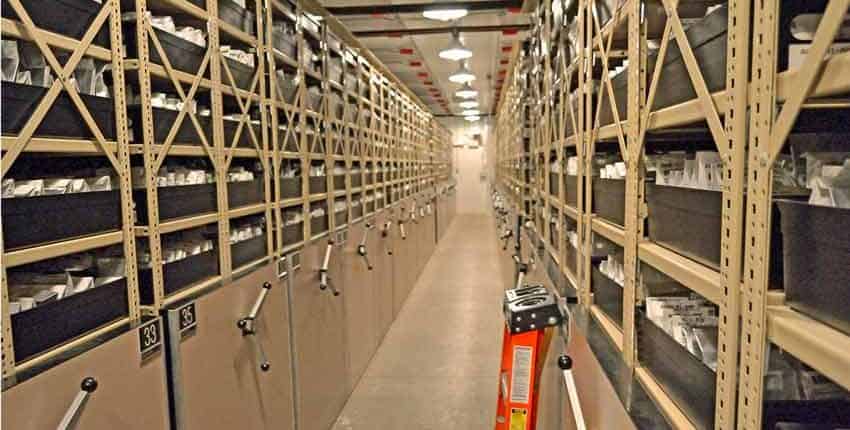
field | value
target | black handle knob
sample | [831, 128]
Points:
[565, 362]
[267, 285]
[265, 366]
[336, 293]
[89, 384]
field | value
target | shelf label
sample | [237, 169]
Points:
[150, 337]
[188, 318]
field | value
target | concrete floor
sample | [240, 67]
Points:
[438, 366]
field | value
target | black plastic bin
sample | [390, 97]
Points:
[248, 251]
[182, 54]
[286, 43]
[179, 274]
[71, 18]
[356, 180]
[290, 188]
[163, 120]
[357, 211]
[42, 219]
[245, 139]
[571, 190]
[571, 257]
[237, 16]
[293, 234]
[699, 237]
[687, 380]
[339, 182]
[816, 244]
[608, 295]
[554, 184]
[63, 119]
[243, 75]
[52, 324]
[318, 184]
[609, 199]
[318, 225]
[245, 193]
[341, 218]
[178, 201]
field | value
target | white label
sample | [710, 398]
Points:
[797, 53]
[521, 374]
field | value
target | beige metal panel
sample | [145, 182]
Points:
[220, 381]
[361, 307]
[131, 394]
[380, 252]
[600, 405]
[319, 342]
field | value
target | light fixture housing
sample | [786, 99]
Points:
[456, 51]
[472, 118]
[445, 14]
[466, 91]
[463, 75]
[469, 104]
[471, 112]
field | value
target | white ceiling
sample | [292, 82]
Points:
[485, 61]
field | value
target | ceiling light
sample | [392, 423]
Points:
[455, 51]
[472, 118]
[466, 91]
[471, 112]
[469, 104]
[445, 14]
[462, 75]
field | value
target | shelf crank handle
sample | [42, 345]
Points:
[323, 271]
[69, 421]
[565, 363]
[361, 248]
[246, 324]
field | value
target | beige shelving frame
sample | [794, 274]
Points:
[534, 100]
[400, 131]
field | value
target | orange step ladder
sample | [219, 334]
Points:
[531, 314]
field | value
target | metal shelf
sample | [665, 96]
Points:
[816, 344]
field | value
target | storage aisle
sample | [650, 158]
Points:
[438, 365]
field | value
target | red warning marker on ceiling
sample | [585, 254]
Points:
[504, 61]
[503, 72]
[415, 64]
[510, 32]
[422, 74]
[406, 51]
[515, 10]
[429, 83]
[507, 48]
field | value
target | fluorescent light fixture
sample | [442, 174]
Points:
[455, 51]
[466, 91]
[469, 104]
[463, 75]
[445, 14]
[472, 118]
[471, 112]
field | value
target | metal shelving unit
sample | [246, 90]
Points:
[750, 317]
[382, 125]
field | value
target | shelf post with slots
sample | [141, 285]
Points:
[634, 220]
[770, 126]
[46, 41]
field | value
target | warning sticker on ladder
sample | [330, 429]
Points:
[521, 374]
[519, 418]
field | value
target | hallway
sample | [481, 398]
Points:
[437, 367]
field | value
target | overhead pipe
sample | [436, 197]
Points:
[382, 9]
[441, 30]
